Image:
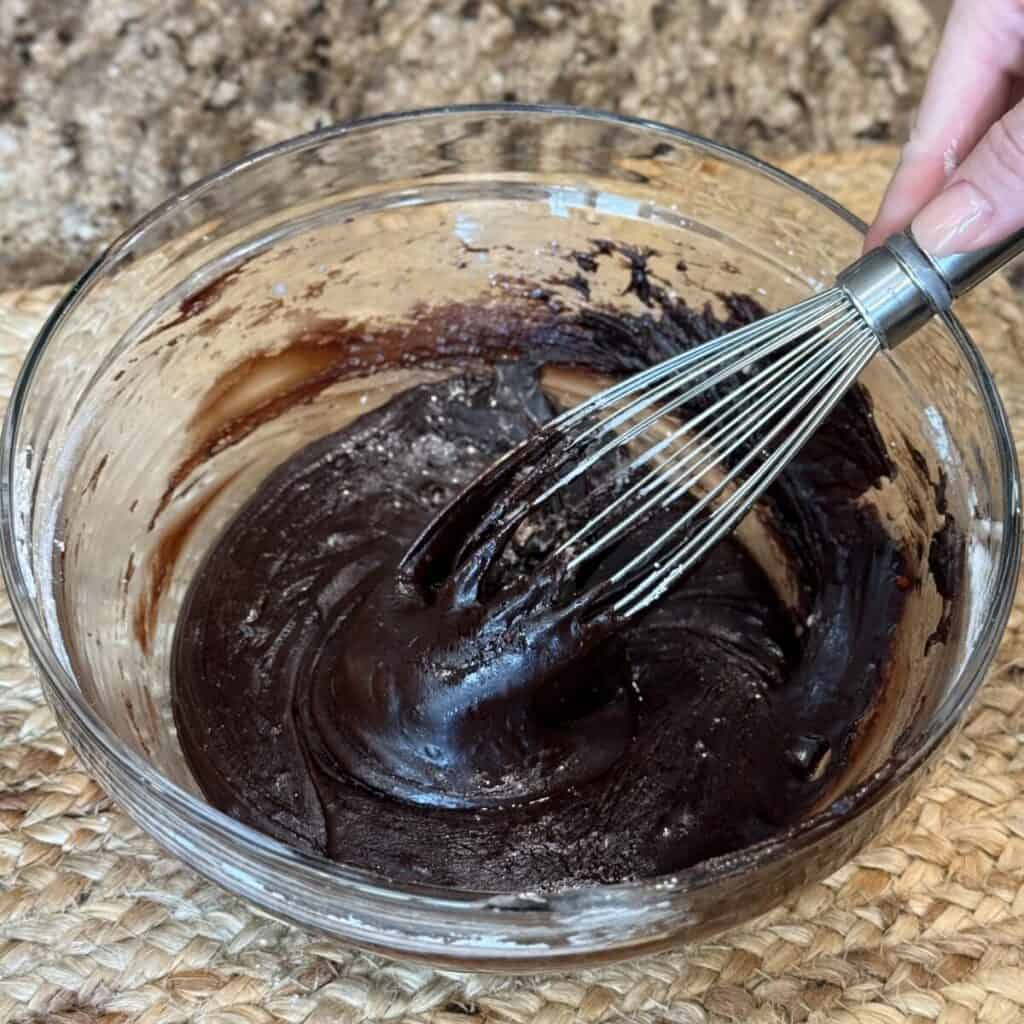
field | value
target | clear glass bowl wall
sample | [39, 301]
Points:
[106, 519]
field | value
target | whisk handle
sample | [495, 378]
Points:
[899, 287]
[964, 270]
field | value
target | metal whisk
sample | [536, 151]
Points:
[761, 390]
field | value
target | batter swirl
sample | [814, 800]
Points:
[532, 751]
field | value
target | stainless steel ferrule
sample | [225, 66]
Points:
[899, 287]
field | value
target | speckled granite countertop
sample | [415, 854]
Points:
[106, 106]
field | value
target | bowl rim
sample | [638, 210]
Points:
[449, 901]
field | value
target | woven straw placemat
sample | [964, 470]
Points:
[927, 925]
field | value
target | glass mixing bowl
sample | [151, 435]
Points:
[125, 451]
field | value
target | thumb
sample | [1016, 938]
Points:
[984, 200]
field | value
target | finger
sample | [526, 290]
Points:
[984, 202]
[911, 187]
[971, 83]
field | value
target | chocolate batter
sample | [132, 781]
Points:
[443, 719]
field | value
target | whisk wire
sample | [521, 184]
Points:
[671, 367]
[774, 333]
[766, 388]
[816, 375]
[851, 360]
[714, 425]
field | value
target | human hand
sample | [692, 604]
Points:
[960, 181]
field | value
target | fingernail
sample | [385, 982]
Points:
[952, 220]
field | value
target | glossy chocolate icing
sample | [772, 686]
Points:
[459, 727]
